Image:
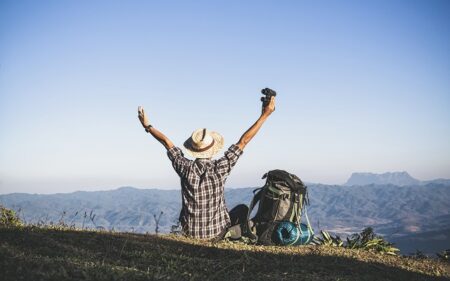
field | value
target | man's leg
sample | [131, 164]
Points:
[238, 216]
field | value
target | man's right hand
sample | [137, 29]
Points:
[269, 108]
[143, 117]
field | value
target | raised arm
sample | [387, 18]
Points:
[251, 132]
[154, 132]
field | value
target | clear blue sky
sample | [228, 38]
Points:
[363, 86]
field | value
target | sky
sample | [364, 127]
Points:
[363, 86]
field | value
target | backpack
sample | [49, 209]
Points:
[282, 201]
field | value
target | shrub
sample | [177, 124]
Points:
[9, 218]
[366, 240]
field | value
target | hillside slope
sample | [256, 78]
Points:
[43, 254]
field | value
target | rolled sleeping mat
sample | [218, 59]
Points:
[287, 233]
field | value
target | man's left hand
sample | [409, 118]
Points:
[269, 108]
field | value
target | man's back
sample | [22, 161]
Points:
[204, 213]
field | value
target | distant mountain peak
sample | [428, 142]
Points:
[126, 188]
[395, 178]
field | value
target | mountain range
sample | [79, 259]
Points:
[415, 216]
[395, 178]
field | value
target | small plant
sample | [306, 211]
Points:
[91, 218]
[328, 239]
[61, 221]
[72, 224]
[84, 220]
[9, 218]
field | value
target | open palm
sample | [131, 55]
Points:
[143, 117]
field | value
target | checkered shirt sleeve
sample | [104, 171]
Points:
[180, 163]
[227, 162]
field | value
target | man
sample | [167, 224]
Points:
[204, 214]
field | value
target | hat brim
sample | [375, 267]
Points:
[218, 145]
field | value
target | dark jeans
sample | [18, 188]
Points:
[238, 216]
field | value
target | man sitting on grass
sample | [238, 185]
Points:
[204, 213]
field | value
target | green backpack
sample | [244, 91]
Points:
[281, 200]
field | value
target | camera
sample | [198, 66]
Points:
[268, 93]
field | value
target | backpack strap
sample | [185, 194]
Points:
[306, 197]
[308, 223]
[256, 197]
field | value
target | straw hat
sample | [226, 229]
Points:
[203, 143]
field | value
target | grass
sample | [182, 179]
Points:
[34, 253]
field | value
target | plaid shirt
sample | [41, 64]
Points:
[203, 213]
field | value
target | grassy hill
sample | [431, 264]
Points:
[32, 253]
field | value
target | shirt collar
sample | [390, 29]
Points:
[203, 160]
